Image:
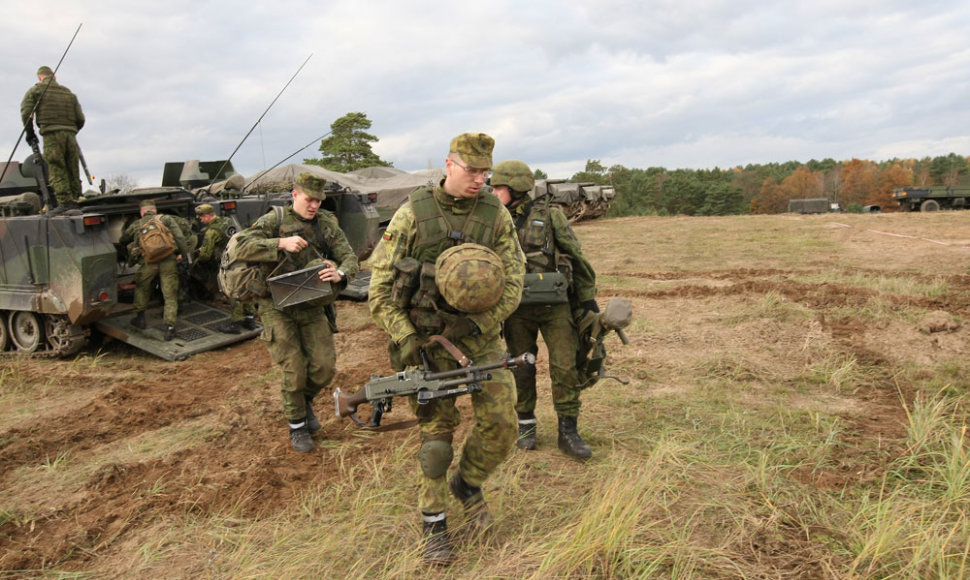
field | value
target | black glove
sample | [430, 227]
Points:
[457, 326]
[31, 136]
[591, 306]
[411, 351]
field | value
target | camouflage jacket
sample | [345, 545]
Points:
[400, 240]
[563, 242]
[215, 238]
[59, 110]
[132, 232]
[259, 243]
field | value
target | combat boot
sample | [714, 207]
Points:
[437, 547]
[301, 441]
[169, 332]
[139, 320]
[527, 431]
[229, 327]
[474, 503]
[249, 323]
[569, 440]
[312, 423]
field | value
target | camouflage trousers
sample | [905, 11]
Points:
[63, 158]
[300, 342]
[560, 335]
[167, 273]
[491, 437]
[241, 310]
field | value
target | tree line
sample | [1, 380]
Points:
[754, 188]
[767, 188]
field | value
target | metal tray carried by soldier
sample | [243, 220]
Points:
[298, 287]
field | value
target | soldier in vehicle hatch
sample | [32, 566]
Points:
[59, 117]
[559, 279]
[160, 247]
[407, 300]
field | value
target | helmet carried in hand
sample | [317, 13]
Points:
[470, 277]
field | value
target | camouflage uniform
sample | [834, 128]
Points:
[214, 239]
[59, 118]
[420, 230]
[166, 270]
[561, 285]
[298, 337]
[555, 321]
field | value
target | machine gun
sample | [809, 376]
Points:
[593, 328]
[425, 384]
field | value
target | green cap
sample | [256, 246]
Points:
[312, 185]
[148, 203]
[45, 70]
[203, 209]
[475, 149]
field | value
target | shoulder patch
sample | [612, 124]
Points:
[387, 236]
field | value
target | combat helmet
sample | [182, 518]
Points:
[516, 175]
[470, 277]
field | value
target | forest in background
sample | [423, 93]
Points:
[767, 188]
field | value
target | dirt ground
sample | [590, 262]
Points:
[120, 413]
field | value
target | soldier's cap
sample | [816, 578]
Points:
[147, 203]
[312, 185]
[45, 70]
[201, 210]
[475, 149]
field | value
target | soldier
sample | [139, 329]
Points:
[166, 269]
[299, 337]
[218, 230]
[59, 118]
[551, 249]
[405, 302]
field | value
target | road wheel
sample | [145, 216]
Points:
[25, 331]
[4, 332]
[63, 338]
[930, 205]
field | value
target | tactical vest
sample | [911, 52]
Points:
[415, 288]
[437, 233]
[57, 109]
[534, 228]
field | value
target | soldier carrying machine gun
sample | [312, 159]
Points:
[425, 384]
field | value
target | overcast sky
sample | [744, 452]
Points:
[641, 83]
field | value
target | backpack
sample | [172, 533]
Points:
[156, 241]
[239, 279]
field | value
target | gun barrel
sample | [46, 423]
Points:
[506, 363]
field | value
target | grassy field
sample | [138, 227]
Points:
[796, 408]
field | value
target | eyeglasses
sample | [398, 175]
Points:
[486, 173]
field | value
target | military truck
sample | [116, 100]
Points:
[64, 275]
[933, 198]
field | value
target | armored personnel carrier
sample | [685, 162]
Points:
[579, 201]
[64, 275]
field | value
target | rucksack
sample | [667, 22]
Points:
[239, 279]
[156, 241]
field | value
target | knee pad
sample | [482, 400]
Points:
[435, 458]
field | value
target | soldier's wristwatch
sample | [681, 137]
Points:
[342, 275]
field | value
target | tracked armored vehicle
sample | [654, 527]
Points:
[579, 201]
[65, 275]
